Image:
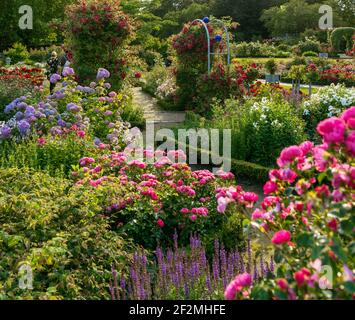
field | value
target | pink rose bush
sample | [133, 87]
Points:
[308, 215]
[149, 200]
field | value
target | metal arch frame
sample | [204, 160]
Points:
[209, 53]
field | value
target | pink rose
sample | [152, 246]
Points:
[270, 187]
[288, 155]
[349, 117]
[160, 223]
[332, 130]
[240, 281]
[282, 283]
[280, 237]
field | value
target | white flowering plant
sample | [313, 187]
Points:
[329, 102]
[270, 124]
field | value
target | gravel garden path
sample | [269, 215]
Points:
[152, 111]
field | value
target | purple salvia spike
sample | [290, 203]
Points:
[123, 287]
[187, 291]
[112, 291]
[249, 254]
[255, 276]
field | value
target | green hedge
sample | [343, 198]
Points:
[240, 168]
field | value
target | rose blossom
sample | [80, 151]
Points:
[332, 130]
[280, 237]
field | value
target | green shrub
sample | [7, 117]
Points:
[309, 44]
[271, 66]
[267, 127]
[320, 35]
[155, 78]
[310, 54]
[250, 171]
[284, 47]
[254, 49]
[296, 62]
[56, 155]
[231, 233]
[342, 39]
[59, 233]
[17, 53]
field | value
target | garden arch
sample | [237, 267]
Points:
[210, 54]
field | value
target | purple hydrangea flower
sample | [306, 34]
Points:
[5, 132]
[9, 108]
[55, 78]
[19, 116]
[68, 72]
[112, 94]
[108, 113]
[61, 123]
[102, 74]
[23, 127]
[30, 111]
[22, 105]
[73, 107]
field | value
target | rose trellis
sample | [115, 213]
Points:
[218, 38]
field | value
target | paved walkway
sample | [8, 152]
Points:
[153, 113]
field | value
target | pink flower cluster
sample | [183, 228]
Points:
[225, 196]
[241, 281]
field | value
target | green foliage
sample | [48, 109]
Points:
[297, 72]
[271, 66]
[259, 49]
[18, 52]
[342, 39]
[309, 44]
[292, 17]
[261, 129]
[250, 171]
[310, 54]
[56, 155]
[231, 233]
[42, 54]
[43, 32]
[59, 233]
[155, 78]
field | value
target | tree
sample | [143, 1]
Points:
[43, 14]
[291, 18]
[247, 13]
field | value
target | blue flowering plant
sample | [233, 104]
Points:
[72, 107]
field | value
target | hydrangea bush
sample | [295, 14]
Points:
[72, 107]
[308, 217]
